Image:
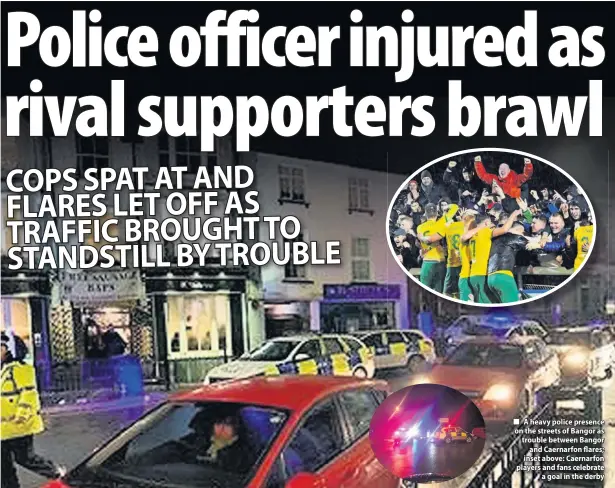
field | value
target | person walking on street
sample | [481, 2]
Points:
[21, 416]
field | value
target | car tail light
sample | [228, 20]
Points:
[55, 484]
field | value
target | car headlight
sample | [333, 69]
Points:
[421, 379]
[576, 358]
[500, 393]
[414, 432]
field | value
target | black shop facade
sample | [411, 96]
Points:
[204, 316]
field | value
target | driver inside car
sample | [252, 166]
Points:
[225, 446]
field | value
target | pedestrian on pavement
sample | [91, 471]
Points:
[21, 415]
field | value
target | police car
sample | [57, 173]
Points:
[327, 354]
[399, 348]
[450, 434]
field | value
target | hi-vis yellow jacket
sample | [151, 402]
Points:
[20, 403]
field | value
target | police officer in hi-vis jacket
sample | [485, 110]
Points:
[21, 416]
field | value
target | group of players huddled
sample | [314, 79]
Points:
[468, 234]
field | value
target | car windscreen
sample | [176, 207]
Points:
[200, 445]
[484, 329]
[486, 355]
[569, 338]
[272, 351]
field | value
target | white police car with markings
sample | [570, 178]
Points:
[395, 348]
[327, 354]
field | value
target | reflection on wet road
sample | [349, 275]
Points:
[421, 457]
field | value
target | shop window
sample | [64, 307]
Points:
[199, 325]
[10, 235]
[92, 152]
[292, 184]
[361, 269]
[295, 271]
[15, 319]
[358, 195]
[185, 152]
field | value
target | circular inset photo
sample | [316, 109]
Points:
[491, 227]
[427, 433]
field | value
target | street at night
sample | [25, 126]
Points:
[71, 436]
[445, 460]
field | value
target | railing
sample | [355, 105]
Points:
[96, 378]
[531, 281]
[500, 469]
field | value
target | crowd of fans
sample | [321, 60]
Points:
[468, 224]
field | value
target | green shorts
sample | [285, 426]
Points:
[503, 287]
[478, 285]
[451, 281]
[464, 289]
[432, 275]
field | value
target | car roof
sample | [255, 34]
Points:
[515, 340]
[277, 391]
[380, 331]
[307, 337]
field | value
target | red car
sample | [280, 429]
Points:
[264, 432]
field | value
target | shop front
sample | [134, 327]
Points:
[98, 315]
[352, 307]
[25, 302]
[201, 320]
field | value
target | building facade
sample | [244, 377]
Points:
[179, 321]
[333, 202]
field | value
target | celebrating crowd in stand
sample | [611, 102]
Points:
[472, 223]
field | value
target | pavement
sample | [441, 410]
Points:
[74, 432]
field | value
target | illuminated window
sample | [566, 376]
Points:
[185, 152]
[361, 268]
[92, 152]
[15, 318]
[199, 326]
[8, 234]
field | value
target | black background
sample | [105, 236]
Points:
[378, 153]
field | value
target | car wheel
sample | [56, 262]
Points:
[360, 372]
[417, 364]
[448, 440]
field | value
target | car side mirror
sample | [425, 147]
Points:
[303, 480]
[302, 357]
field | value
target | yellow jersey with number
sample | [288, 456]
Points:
[583, 236]
[435, 251]
[454, 231]
[480, 247]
